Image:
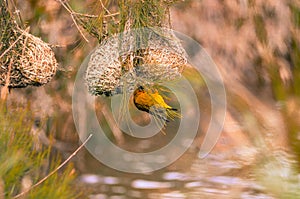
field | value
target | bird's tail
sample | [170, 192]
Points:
[172, 113]
[165, 114]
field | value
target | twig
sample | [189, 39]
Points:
[12, 45]
[92, 16]
[112, 15]
[104, 7]
[55, 170]
[67, 7]
[84, 15]
[74, 20]
[17, 12]
[75, 14]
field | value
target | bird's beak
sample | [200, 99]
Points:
[141, 88]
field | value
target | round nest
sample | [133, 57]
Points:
[119, 62]
[25, 59]
[34, 64]
[38, 61]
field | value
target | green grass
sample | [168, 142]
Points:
[19, 158]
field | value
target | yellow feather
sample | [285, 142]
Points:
[144, 99]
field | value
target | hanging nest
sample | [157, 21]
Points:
[104, 69]
[119, 62]
[138, 54]
[25, 59]
[163, 59]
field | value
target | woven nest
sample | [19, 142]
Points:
[35, 64]
[29, 60]
[117, 63]
[104, 69]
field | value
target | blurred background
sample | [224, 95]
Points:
[256, 46]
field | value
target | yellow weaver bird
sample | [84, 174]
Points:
[152, 102]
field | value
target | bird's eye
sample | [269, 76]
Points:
[141, 88]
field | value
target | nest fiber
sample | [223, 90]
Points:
[121, 61]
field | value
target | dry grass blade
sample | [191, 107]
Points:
[104, 7]
[75, 22]
[72, 13]
[55, 170]
[95, 25]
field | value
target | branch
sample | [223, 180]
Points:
[67, 7]
[74, 20]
